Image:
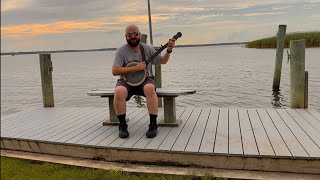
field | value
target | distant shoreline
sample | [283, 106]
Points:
[107, 49]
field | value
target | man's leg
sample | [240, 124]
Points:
[120, 95]
[152, 104]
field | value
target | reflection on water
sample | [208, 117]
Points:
[223, 76]
[277, 99]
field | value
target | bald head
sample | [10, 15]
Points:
[132, 28]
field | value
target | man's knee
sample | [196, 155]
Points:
[120, 92]
[149, 89]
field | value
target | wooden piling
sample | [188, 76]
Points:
[157, 72]
[279, 57]
[46, 80]
[297, 74]
[306, 83]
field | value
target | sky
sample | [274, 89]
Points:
[37, 25]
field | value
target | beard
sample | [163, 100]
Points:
[133, 42]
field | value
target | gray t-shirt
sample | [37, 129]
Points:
[124, 55]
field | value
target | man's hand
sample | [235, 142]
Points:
[140, 66]
[171, 44]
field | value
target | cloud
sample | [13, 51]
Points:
[8, 5]
[262, 14]
[61, 27]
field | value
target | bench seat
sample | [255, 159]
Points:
[169, 107]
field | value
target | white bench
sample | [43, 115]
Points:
[169, 106]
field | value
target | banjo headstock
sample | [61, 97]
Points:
[178, 35]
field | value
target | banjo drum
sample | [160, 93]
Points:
[138, 77]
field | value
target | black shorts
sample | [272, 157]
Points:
[135, 90]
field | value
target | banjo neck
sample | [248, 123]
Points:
[178, 35]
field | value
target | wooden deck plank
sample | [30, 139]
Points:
[276, 140]
[76, 121]
[235, 139]
[309, 129]
[290, 140]
[31, 119]
[185, 134]
[314, 113]
[309, 118]
[248, 139]
[263, 142]
[111, 135]
[79, 127]
[140, 134]
[198, 131]
[302, 137]
[143, 142]
[169, 141]
[143, 119]
[221, 145]
[32, 124]
[208, 140]
[49, 126]
[102, 133]
[8, 118]
[162, 134]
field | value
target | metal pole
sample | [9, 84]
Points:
[150, 27]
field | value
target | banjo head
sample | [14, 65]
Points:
[135, 78]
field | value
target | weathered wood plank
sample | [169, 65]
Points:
[235, 139]
[208, 140]
[111, 135]
[221, 145]
[58, 131]
[276, 140]
[185, 134]
[263, 142]
[302, 137]
[9, 118]
[29, 126]
[162, 134]
[198, 131]
[140, 134]
[290, 140]
[161, 92]
[143, 118]
[309, 129]
[169, 141]
[102, 133]
[79, 127]
[314, 113]
[309, 118]
[248, 139]
[30, 119]
[49, 125]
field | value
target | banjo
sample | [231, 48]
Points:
[138, 77]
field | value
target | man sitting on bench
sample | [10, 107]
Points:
[126, 54]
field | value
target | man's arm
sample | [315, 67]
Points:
[117, 71]
[166, 56]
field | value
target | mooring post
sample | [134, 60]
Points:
[306, 83]
[157, 72]
[279, 56]
[297, 74]
[46, 80]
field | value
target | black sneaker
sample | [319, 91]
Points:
[152, 131]
[123, 131]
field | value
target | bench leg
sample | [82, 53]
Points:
[169, 113]
[113, 119]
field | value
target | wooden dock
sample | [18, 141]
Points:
[263, 139]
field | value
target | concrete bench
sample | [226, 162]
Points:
[169, 106]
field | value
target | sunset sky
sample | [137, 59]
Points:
[30, 25]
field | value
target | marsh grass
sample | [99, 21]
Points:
[312, 40]
[12, 168]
